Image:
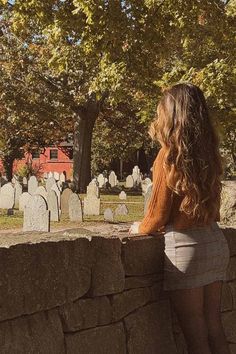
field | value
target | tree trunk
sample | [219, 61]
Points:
[8, 166]
[82, 145]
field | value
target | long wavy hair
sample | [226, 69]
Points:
[193, 163]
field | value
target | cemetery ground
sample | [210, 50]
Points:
[134, 204]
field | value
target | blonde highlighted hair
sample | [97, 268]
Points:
[192, 162]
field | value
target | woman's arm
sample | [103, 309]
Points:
[159, 206]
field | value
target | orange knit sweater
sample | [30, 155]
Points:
[163, 207]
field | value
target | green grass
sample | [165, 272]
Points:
[135, 213]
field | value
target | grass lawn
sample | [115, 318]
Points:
[134, 205]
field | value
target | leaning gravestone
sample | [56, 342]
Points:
[92, 202]
[75, 208]
[108, 215]
[24, 200]
[18, 192]
[129, 182]
[147, 197]
[121, 210]
[32, 185]
[53, 205]
[122, 195]
[36, 215]
[7, 196]
[65, 201]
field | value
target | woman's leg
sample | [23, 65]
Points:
[189, 307]
[212, 301]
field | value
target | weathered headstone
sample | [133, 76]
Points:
[49, 183]
[50, 174]
[36, 215]
[32, 185]
[121, 210]
[136, 175]
[7, 196]
[101, 180]
[58, 193]
[108, 215]
[56, 175]
[24, 200]
[75, 208]
[129, 182]
[62, 177]
[53, 205]
[92, 202]
[25, 181]
[14, 179]
[145, 185]
[59, 185]
[18, 192]
[122, 195]
[65, 201]
[45, 175]
[41, 191]
[112, 179]
[147, 197]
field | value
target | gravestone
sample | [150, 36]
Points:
[129, 183]
[101, 180]
[59, 185]
[112, 179]
[75, 208]
[122, 195]
[25, 181]
[58, 193]
[108, 215]
[24, 200]
[32, 185]
[62, 177]
[147, 197]
[56, 175]
[14, 179]
[50, 174]
[41, 191]
[18, 192]
[65, 201]
[145, 185]
[49, 183]
[121, 210]
[136, 175]
[45, 175]
[36, 215]
[7, 196]
[53, 205]
[92, 202]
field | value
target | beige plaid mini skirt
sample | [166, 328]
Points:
[194, 257]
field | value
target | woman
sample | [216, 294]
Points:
[185, 205]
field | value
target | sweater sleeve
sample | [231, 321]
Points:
[159, 206]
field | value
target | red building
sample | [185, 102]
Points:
[51, 159]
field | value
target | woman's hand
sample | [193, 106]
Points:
[134, 228]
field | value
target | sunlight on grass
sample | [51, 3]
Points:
[107, 201]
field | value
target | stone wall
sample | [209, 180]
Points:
[63, 293]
